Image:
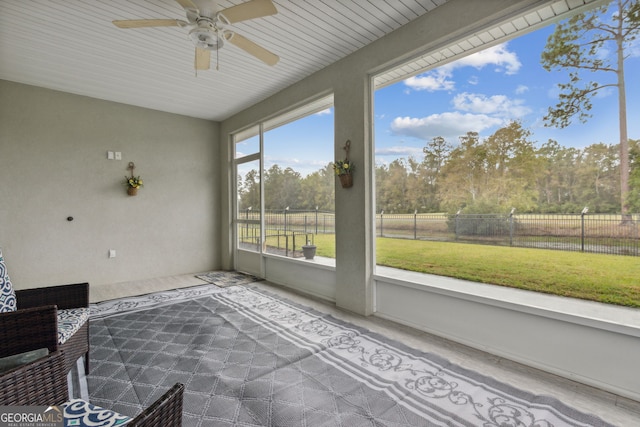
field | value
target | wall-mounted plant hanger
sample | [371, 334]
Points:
[344, 168]
[132, 182]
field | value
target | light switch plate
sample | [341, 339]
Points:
[110, 155]
[118, 155]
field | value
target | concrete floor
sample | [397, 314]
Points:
[614, 409]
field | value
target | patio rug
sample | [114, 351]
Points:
[224, 279]
[250, 358]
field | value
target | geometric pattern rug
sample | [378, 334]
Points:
[251, 358]
[224, 279]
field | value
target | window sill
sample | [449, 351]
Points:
[317, 261]
[609, 317]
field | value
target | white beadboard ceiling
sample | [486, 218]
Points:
[72, 46]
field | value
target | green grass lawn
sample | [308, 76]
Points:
[610, 279]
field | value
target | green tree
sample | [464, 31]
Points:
[512, 169]
[557, 181]
[282, 188]
[318, 189]
[580, 44]
[436, 154]
[391, 188]
[249, 190]
[634, 176]
[463, 175]
[418, 195]
[597, 174]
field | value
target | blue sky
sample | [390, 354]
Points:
[481, 92]
[485, 91]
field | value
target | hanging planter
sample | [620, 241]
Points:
[346, 180]
[344, 168]
[132, 182]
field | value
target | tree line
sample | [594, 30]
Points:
[494, 174]
[506, 171]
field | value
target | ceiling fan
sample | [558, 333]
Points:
[208, 27]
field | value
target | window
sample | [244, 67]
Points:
[296, 178]
[462, 155]
[248, 190]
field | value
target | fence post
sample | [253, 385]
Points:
[293, 247]
[286, 244]
[381, 226]
[456, 225]
[285, 219]
[305, 223]
[415, 225]
[246, 225]
[582, 215]
[316, 220]
[511, 226]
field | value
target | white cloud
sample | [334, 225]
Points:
[324, 112]
[431, 81]
[499, 56]
[496, 105]
[522, 89]
[449, 125]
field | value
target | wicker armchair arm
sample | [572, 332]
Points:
[64, 296]
[40, 383]
[166, 411]
[28, 329]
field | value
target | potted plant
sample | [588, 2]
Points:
[133, 183]
[309, 250]
[343, 169]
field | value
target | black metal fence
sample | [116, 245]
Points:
[595, 233]
[286, 231]
[598, 233]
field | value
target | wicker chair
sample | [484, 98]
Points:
[68, 298]
[29, 329]
[44, 383]
[65, 297]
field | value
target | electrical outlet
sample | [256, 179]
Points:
[109, 155]
[118, 155]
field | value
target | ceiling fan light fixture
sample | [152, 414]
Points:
[205, 38]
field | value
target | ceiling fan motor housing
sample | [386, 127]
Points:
[206, 38]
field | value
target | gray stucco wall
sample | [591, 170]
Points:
[53, 164]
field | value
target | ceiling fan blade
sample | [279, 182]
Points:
[187, 4]
[249, 10]
[143, 23]
[253, 49]
[203, 59]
